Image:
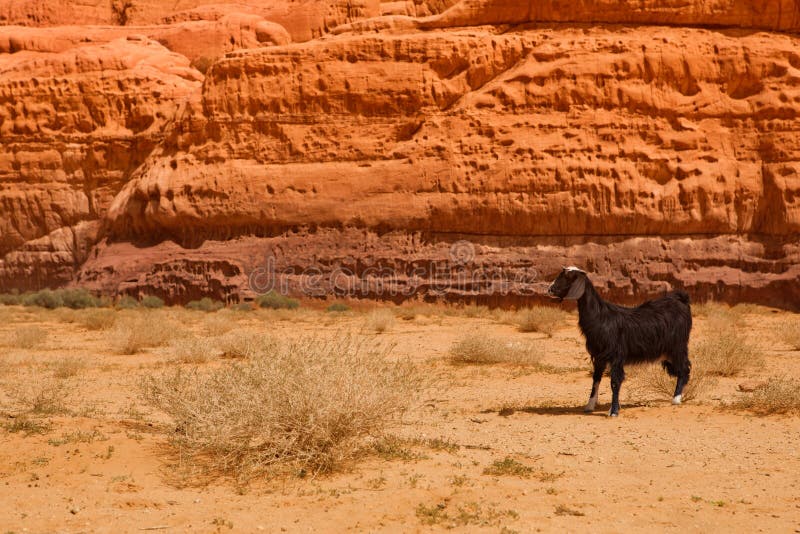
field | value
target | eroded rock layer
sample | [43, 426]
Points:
[655, 156]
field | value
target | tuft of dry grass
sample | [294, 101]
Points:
[67, 367]
[191, 349]
[542, 319]
[789, 332]
[97, 318]
[304, 405]
[481, 348]
[244, 344]
[38, 394]
[219, 323]
[379, 321]
[723, 352]
[653, 379]
[146, 329]
[28, 337]
[775, 396]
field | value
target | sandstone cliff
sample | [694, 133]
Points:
[657, 155]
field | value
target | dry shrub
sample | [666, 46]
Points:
[543, 319]
[480, 348]
[28, 337]
[40, 394]
[305, 405]
[134, 333]
[789, 332]
[219, 324]
[97, 319]
[653, 379]
[723, 352]
[67, 367]
[191, 349]
[244, 344]
[379, 321]
[777, 395]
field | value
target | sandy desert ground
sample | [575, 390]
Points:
[501, 447]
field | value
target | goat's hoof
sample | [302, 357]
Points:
[613, 414]
[676, 399]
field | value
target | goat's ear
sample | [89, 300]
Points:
[577, 288]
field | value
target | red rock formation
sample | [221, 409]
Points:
[654, 156]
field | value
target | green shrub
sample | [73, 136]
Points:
[127, 303]
[78, 299]
[152, 302]
[276, 301]
[205, 304]
[338, 307]
[44, 298]
[10, 299]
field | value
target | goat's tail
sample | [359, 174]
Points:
[683, 296]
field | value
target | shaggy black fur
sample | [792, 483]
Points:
[615, 335]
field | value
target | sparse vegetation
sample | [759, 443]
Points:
[276, 301]
[652, 379]
[481, 348]
[40, 395]
[205, 304]
[542, 319]
[379, 321]
[723, 352]
[566, 510]
[67, 367]
[789, 332]
[509, 467]
[152, 302]
[10, 299]
[99, 319]
[471, 513]
[338, 307]
[191, 349]
[305, 404]
[775, 396]
[217, 325]
[28, 337]
[245, 344]
[27, 426]
[132, 334]
[127, 303]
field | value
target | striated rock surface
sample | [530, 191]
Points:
[655, 156]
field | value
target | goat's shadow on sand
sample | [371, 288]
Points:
[601, 411]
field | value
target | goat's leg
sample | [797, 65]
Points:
[596, 377]
[617, 376]
[683, 369]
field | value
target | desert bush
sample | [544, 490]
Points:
[67, 367]
[789, 332]
[150, 301]
[127, 303]
[44, 298]
[205, 304]
[132, 334]
[542, 319]
[379, 321]
[653, 379]
[99, 319]
[217, 325]
[276, 301]
[243, 306]
[723, 352]
[338, 307]
[192, 349]
[10, 299]
[78, 299]
[481, 348]
[304, 405]
[244, 344]
[28, 337]
[40, 394]
[775, 396]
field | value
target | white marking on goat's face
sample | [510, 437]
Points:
[676, 399]
[573, 268]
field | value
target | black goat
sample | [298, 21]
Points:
[615, 335]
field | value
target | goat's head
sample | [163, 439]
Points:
[569, 284]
